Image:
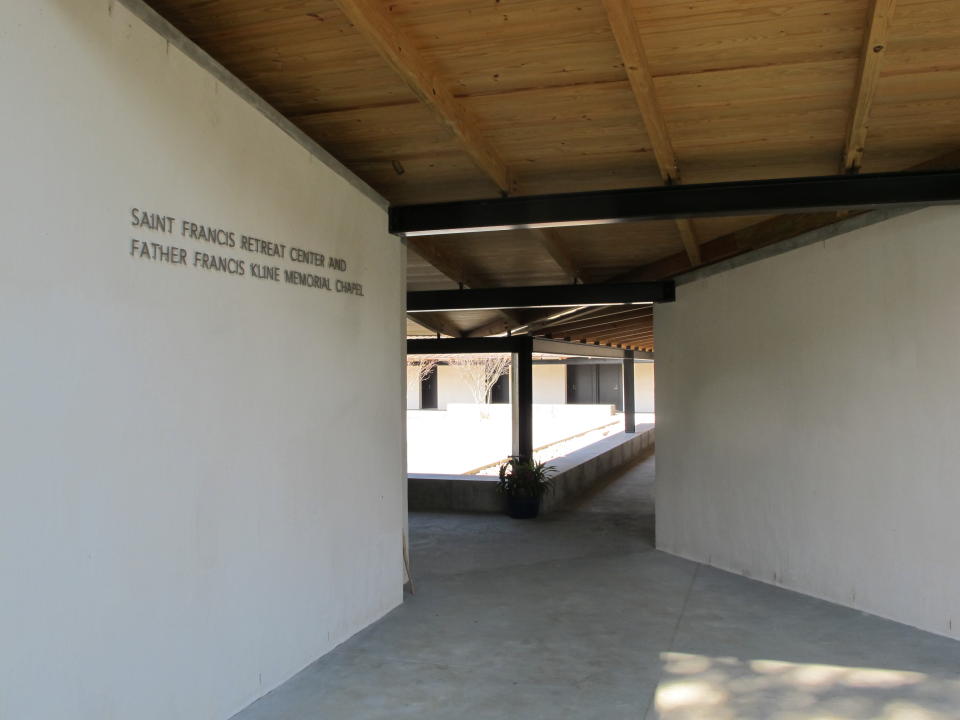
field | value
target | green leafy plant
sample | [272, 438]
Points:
[525, 479]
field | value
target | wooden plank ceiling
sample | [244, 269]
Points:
[434, 100]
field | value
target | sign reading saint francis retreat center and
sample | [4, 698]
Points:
[216, 239]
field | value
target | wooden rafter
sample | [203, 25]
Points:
[625, 335]
[612, 334]
[594, 323]
[372, 19]
[453, 267]
[879, 15]
[534, 326]
[688, 236]
[587, 326]
[436, 322]
[623, 23]
[627, 330]
[456, 270]
[554, 245]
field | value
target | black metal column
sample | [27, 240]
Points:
[629, 404]
[521, 399]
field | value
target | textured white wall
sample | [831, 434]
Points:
[550, 384]
[808, 416]
[202, 475]
[452, 387]
[412, 377]
[643, 387]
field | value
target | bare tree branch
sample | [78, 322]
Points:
[480, 372]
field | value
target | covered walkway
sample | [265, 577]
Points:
[577, 616]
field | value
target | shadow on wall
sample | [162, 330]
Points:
[728, 688]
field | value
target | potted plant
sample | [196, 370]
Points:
[523, 484]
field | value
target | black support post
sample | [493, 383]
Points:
[521, 399]
[629, 404]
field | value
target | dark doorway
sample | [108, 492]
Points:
[582, 384]
[428, 390]
[609, 391]
[500, 392]
[591, 384]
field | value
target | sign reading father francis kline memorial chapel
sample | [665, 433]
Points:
[218, 239]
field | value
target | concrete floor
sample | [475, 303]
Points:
[577, 616]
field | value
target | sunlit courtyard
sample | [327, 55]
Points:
[476, 439]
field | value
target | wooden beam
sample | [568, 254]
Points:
[554, 245]
[562, 328]
[624, 335]
[453, 267]
[436, 322]
[627, 331]
[879, 15]
[593, 323]
[688, 236]
[372, 19]
[494, 327]
[533, 326]
[623, 23]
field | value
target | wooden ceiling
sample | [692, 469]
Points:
[434, 100]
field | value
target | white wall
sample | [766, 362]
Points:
[412, 392]
[451, 387]
[808, 412]
[550, 384]
[549, 387]
[202, 474]
[643, 387]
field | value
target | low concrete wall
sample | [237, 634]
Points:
[576, 473]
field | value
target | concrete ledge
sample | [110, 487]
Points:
[577, 473]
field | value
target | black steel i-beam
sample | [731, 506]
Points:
[539, 296]
[517, 343]
[756, 197]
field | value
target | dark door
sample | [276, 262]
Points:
[581, 384]
[609, 388]
[500, 392]
[428, 390]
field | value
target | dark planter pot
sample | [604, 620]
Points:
[523, 508]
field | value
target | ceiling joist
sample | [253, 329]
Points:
[623, 23]
[372, 19]
[557, 250]
[879, 15]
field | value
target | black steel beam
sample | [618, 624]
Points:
[517, 343]
[757, 197]
[539, 296]
[561, 347]
[461, 346]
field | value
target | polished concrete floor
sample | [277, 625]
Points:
[577, 616]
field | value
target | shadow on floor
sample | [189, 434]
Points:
[577, 616]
